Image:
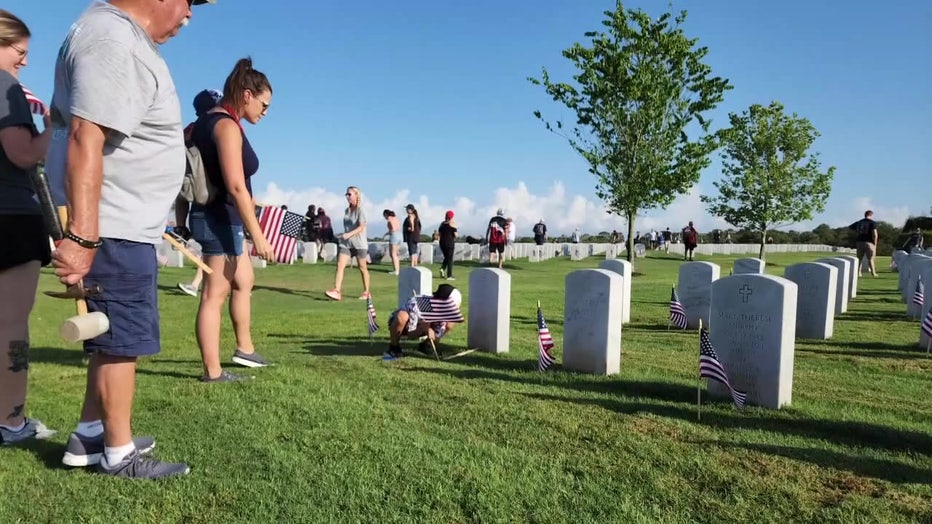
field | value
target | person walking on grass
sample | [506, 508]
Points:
[26, 248]
[866, 242]
[447, 233]
[412, 233]
[117, 146]
[352, 243]
[395, 238]
[230, 162]
[203, 102]
[690, 241]
[496, 235]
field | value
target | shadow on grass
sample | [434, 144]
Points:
[61, 356]
[50, 453]
[287, 291]
[657, 327]
[878, 292]
[346, 348]
[888, 470]
[835, 347]
[876, 316]
[875, 354]
[860, 434]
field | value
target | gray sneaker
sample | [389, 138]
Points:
[32, 430]
[249, 360]
[137, 466]
[224, 376]
[87, 451]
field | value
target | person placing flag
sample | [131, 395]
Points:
[431, 316]
[545, 359]
[677, 313]
[710, 367]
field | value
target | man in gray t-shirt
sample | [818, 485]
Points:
[118, 149]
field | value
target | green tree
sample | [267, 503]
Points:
[639, 94]
[769, 178]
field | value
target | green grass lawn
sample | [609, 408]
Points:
[333, 434]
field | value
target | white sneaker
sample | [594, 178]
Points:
[187, 289]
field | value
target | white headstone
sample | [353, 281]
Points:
[753, 331]
[694, 287]
[898, 256]
[536, 254]
[817, 284]
[623, 268]
[413, 281]
[578, 252]
[749, 266]
[917, 272]
[489, 325]
[310, 253]
[592, 322]
[841, 290]
[853, 275]
[330, 252]
[425, 253]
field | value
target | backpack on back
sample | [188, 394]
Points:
[197, 187]
[497, 234]
[691, 236]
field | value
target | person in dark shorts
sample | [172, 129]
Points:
[411, 233]
[115, 94]
[496, 236]
[866, 241]
[25, 247]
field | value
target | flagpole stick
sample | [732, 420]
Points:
[699, 386]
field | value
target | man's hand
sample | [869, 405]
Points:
[72, 262]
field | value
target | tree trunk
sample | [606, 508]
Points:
[629, 241]
[763, 244]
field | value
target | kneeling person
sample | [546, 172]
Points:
[432, 316]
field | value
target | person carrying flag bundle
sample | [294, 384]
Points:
[432, 316]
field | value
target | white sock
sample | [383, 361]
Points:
[94, 428]
[15, 429]
[116, 455]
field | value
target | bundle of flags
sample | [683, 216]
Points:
[281, 228]
[927, 327]
[710, 367]
[36, 106]
[370, 316]
[677, 313]
[544, 342]
[918, 295]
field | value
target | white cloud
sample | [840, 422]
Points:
[562, 211]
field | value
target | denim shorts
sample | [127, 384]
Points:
[126, 273]
[214, 236]
[395, 238]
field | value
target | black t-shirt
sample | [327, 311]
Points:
[865, 229]
[447, 234]
[540, 230]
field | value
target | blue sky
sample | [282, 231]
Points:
[427, 102]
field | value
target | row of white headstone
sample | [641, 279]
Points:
[753, 318]
[912, 268]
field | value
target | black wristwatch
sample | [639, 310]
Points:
[86, 244]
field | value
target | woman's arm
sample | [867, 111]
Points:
[22, 148]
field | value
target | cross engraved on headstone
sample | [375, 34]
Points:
[745, 293]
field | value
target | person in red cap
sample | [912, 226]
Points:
[448, 236]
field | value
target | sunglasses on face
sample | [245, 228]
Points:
[348, 194]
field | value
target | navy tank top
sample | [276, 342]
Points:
[223, 209]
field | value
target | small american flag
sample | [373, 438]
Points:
[710, 367]
[432, 309]
[370, 315]
[927, 324]
[544, 342]
[35, 105]
[282, 229]
[677, 313]
[918, 295]
[892, 263]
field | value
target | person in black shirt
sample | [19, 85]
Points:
[447, 233]
[867, 241]
[496, 236]
[915, 240]
[540, 233]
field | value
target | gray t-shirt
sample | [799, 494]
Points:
[111, 73]
[352, 218]
[16, 192]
